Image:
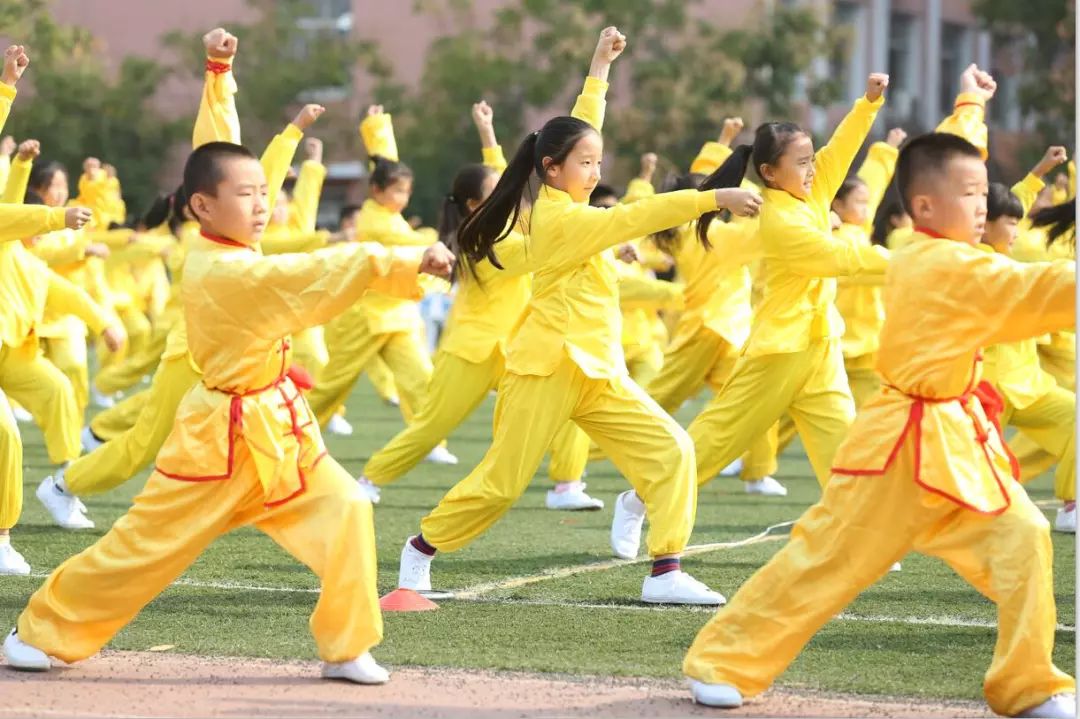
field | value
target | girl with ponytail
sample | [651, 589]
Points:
[380, 326]
[564, 359]
[792, 361]
[471, 356]
[715, 323]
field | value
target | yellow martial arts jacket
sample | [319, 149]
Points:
[1014, 367]
[574, 309]
[944, 301]
[240, 309]
[802, 258]
[860, 304]
[18, 222]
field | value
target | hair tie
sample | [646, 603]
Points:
[450, 198]
[536, 133]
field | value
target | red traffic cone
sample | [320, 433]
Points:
[406, 600]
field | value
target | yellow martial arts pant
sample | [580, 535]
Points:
[352, 346]
[140, 361]
[329, 527]
[849, 540]
[648, 447]
[124, 456]
[68, 354]
[382, 379]
[39, 386]
[643, 367]
[457, 388]
[139, 332]
[708, 359]
[1050, 422]
[112, 422]
[11, 475]
[309, 351]
[862, 378]
[810, 385]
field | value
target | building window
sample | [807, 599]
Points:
[846, 26]
[957, 52]
[905, 49]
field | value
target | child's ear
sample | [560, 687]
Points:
[921, 206]
[199, 205]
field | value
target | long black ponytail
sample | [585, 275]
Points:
[667, 241]
[730, 174]
[468, 185]
[498, 214]
[1059, 221]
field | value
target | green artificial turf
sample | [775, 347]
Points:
[587, 623]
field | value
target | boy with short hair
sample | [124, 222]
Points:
[245, 449]
[923, 467]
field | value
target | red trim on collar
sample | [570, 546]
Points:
[929, 233]
[224, 240]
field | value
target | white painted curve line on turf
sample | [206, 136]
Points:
[478, 590]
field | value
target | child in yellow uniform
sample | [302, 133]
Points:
[923, 467]
[245, 449]
[792, 361]
[471, 357]
[564, 360]
[715, 322]
[858, 299]
[1034, 403]
[115, 462]
[378, 325]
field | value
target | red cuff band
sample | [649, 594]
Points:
[962, 104]
[217, 67]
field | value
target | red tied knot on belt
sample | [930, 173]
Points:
[300, 377]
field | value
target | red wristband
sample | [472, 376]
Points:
[958, 105]
[217, 67]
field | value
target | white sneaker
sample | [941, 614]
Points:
[24, 657]
[362, 670]
[723, 696]
[626, 525]
[732, 470]
[441, 455]
[678, 587]
[21, 415]
[1066, 520]
[415, 570]
[340, 426]
[766, 486]
[572, 498]
[65, 508]
[11, 562]
[89, 441]
[368, 489]
[393, 401]
[895, 567]
[1059, 706]
[101, 400]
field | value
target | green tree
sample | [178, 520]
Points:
[75, 110]
[680, 75]
[1046, 31]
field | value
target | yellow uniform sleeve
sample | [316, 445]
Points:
[1020, 300]
[968, 121]
[5, 170]
[513, 254]
[306, 195]
[115, 239]
[595, 229]
[638, 189]
[276, 160]
[7, 96]
[377, 132]
[17, 182]
[280, 243]
[809, 252]
[636, 292]
[61, 248]
[284, 294]
[591, 105]
[712, 155]
[67, 298]
[832, 162]
[494, 158]
[217, 120]
[144, 247]
[736, 242]
[877, 172]
[1027, 191]
[20, 222]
